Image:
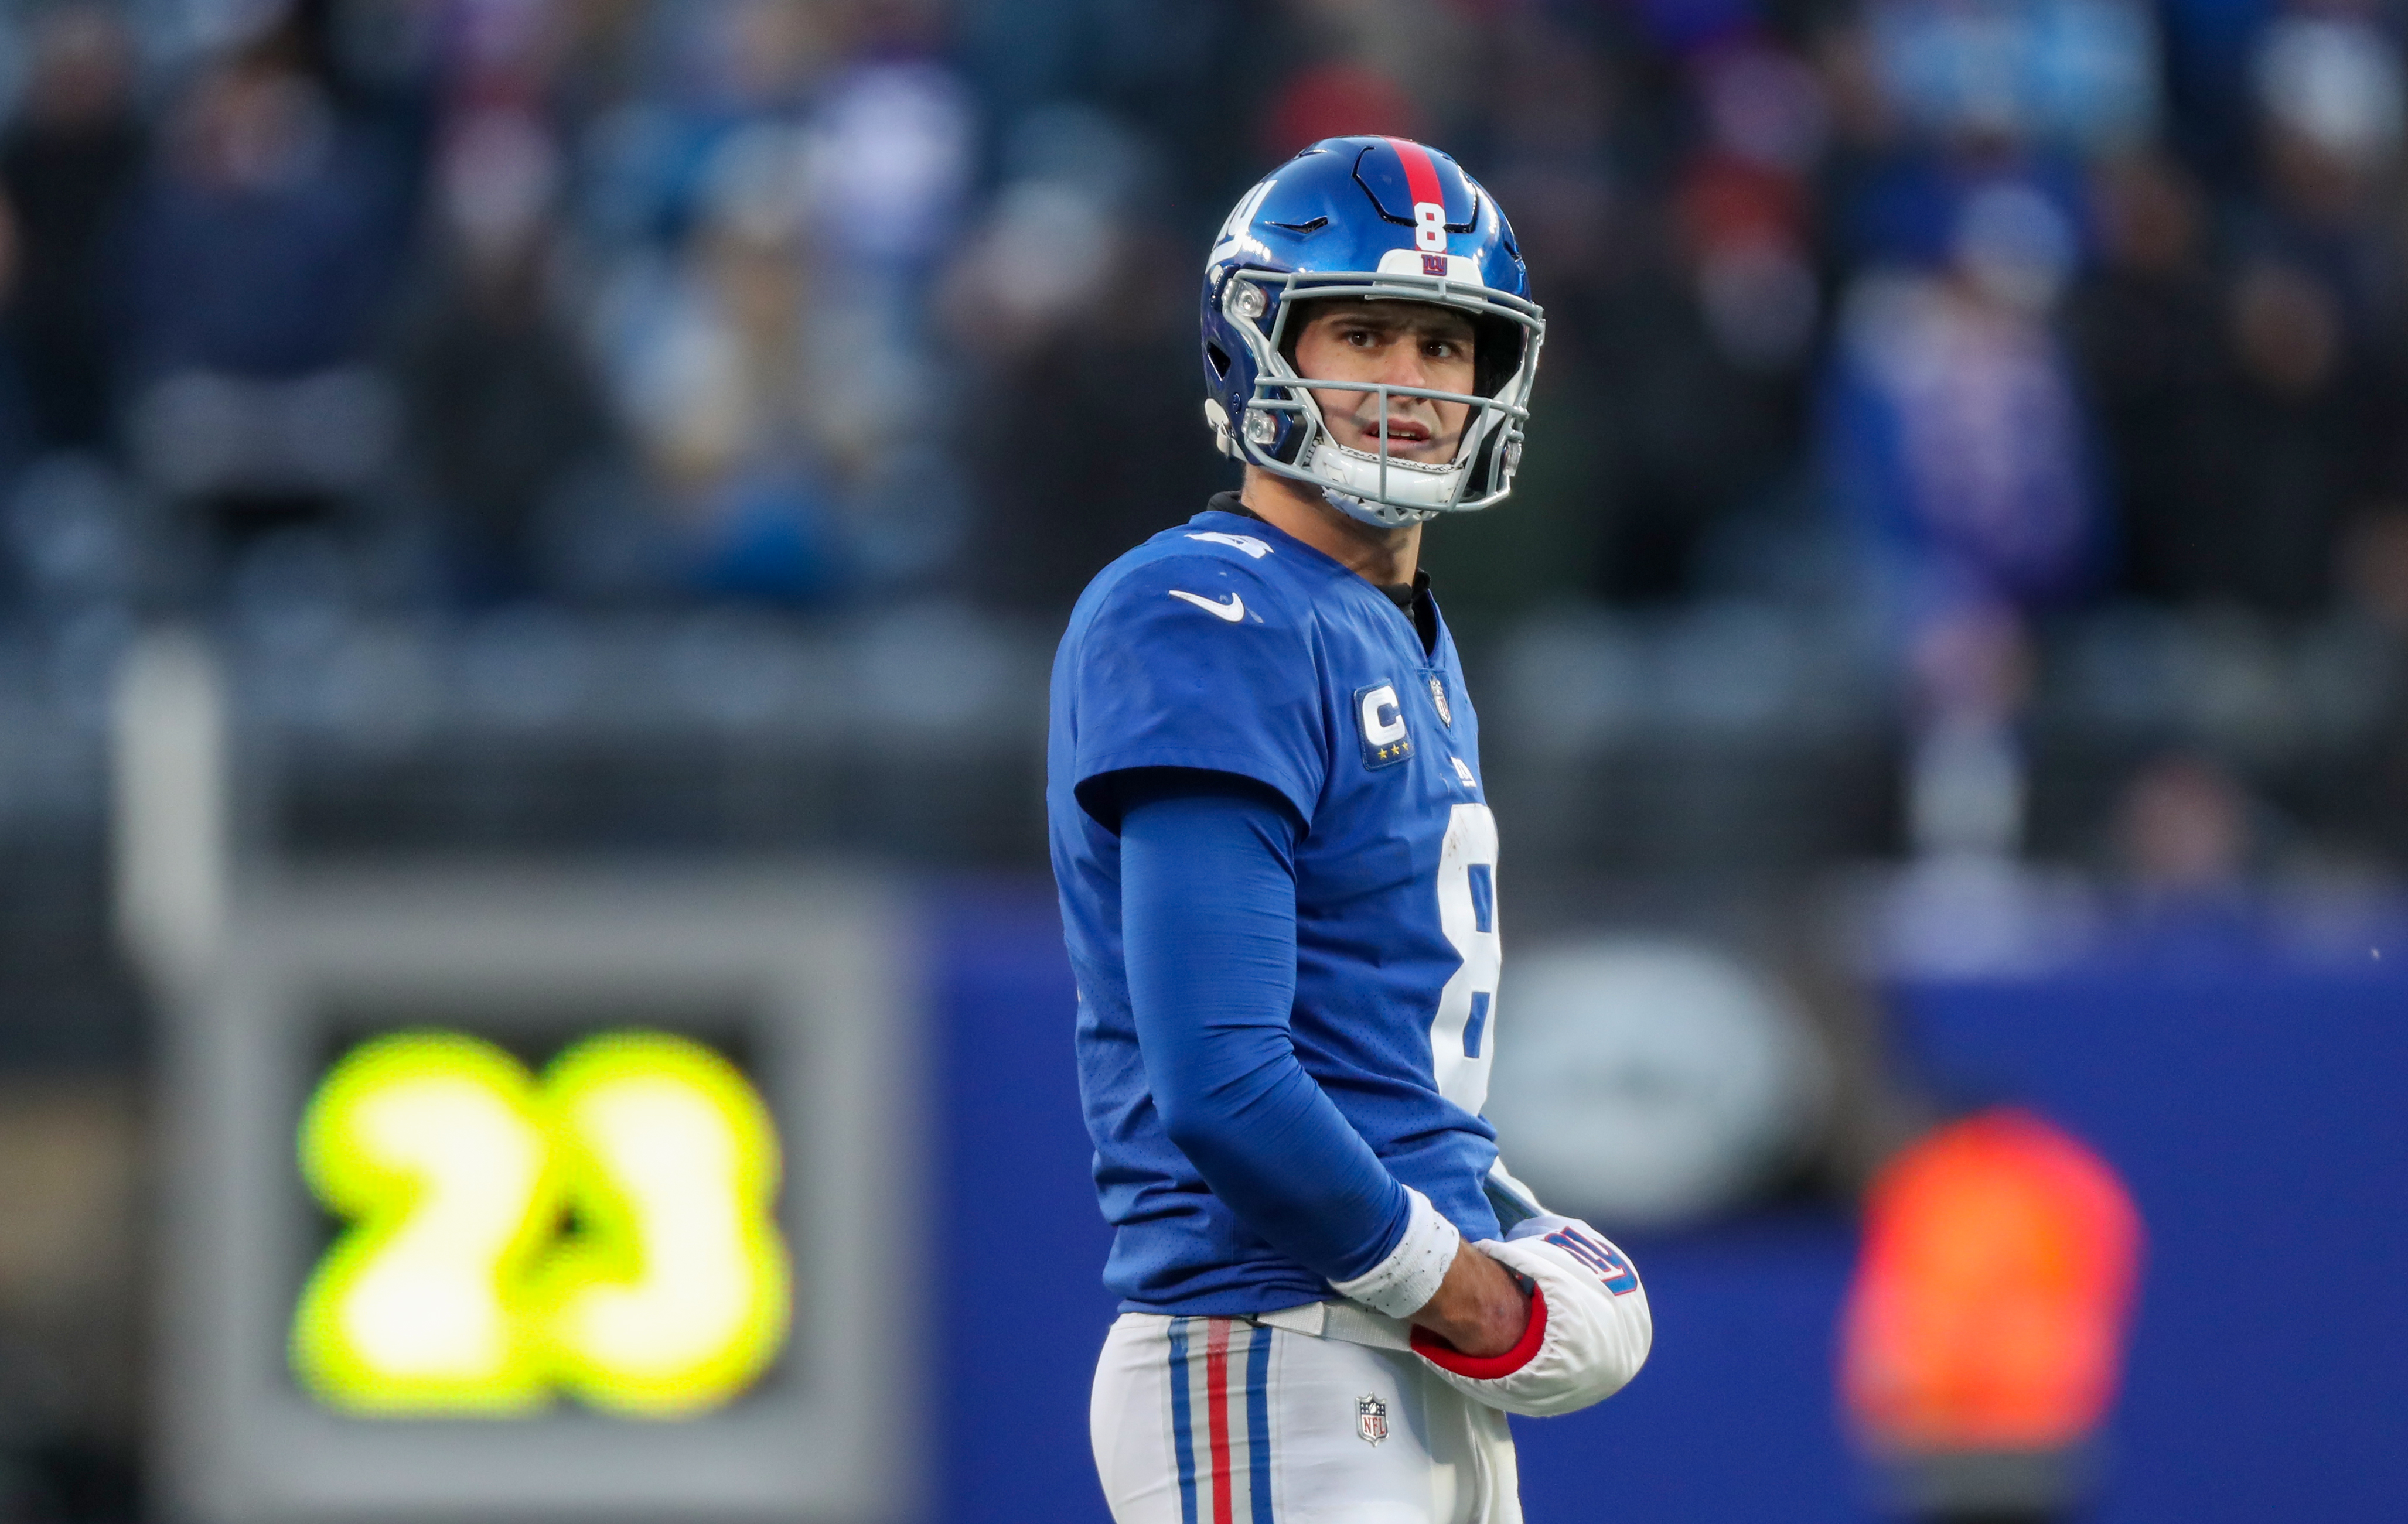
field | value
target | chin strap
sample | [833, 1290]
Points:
[1350, 478]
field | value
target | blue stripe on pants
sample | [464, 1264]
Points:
[1178, 1421]
[1258, 1422]
[1475, 1023]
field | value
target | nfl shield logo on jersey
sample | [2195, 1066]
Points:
[1372, 1419]
[1438, 700]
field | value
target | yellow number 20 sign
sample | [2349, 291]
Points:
[605, 1230]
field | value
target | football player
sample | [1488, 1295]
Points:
[1278, 876]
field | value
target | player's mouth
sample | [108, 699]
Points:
[1404, 435]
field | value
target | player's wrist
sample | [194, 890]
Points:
[1409, 1275]
[1480, 1309]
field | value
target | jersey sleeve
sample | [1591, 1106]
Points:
[1208, 905]
[1196, 661]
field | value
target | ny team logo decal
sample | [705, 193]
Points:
[1603, 1258]
[1371, 1418]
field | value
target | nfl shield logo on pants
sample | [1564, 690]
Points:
[1371, 1419]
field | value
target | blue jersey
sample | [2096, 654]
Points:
[1226, 645]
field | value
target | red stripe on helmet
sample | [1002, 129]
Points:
[1421, 172]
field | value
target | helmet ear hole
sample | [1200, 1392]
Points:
[1496, 353]
[1219, 359]
[1483, 464]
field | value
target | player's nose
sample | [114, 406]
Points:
[1403, 364]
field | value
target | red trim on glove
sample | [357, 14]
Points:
[1444, 1355]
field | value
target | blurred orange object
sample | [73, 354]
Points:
[1990, 1305]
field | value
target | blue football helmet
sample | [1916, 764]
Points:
[1372, 219]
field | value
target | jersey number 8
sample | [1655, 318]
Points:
[1460, 1038]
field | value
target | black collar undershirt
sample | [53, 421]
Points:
[1413, 599]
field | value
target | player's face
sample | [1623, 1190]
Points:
[1397, 344]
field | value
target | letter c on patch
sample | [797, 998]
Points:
[1381, 721]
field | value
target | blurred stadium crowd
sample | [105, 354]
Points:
[1969, 431]
[2022, 377]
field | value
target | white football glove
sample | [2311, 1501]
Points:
[1589, 1327]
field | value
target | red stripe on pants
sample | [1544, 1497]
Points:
[1216, 1401]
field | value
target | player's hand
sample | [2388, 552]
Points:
[1478, 1309]
[1588, 1331]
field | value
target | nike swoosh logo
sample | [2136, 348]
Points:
[1234, 610]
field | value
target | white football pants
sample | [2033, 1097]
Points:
[1224, 1420]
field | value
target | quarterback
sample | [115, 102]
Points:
[1278, 875]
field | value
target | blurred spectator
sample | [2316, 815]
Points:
[2331, 100]
[1954, 418]
[260, 251]
[500, 403]
[1969, 666]
[2192, 845]
[887, 160]
[2146, 326]
[2076, 72]
[1959, 453]
[1195, 76]
[709, 352]
[2208, 46]
[262, 257]
[2294, 454]
[1078, 317]
[2374, 566]
[2185, 828]
[2330, 97]
[1336, 100]
[2239, 427]
[1699, 353]
[1712, 388]
[1406, 62]
[772, 358]
[1680, 335]
[66, 166]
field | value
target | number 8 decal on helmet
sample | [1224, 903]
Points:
[1429, 227]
